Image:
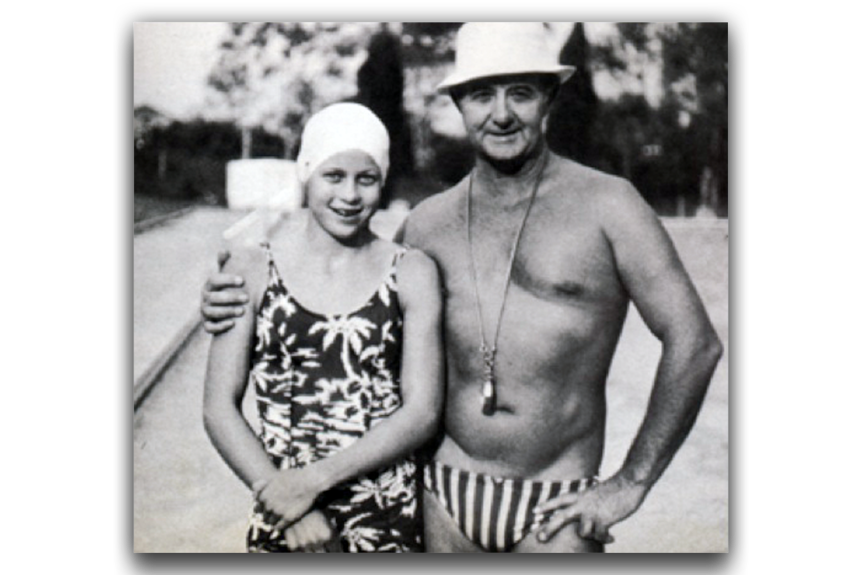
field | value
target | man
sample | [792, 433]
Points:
[540, 257]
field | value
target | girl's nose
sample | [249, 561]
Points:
[349, 192]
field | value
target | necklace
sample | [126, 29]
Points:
[489, 352]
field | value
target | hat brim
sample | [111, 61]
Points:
[457, 79]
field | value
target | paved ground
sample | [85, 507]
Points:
[187, 500]
[171, 262]
[687, 511]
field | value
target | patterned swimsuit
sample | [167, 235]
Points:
[322, 381]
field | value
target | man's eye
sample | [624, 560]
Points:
[480, 95]
[523, 94]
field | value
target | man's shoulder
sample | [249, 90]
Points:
[589, 179]
[610, 201]
[584, 186]
[436, 211]
[442, 203]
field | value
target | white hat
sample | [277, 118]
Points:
[485, 49]
[339, 128]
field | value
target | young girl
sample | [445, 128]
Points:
[345, 353]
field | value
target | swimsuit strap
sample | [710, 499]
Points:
[399, 253]
[268, 251]
[274, 276]
[389, 279]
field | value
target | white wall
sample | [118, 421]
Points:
[263, 182]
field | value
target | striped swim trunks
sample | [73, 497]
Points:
[494, 513]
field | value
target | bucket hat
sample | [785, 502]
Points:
[485, 49]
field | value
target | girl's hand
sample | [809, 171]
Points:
[290, 493]
[311, 533]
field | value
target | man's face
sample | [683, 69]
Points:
[503, 115]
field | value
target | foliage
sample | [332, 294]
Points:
[186, 160]
[429, 42]
[698, 52]
[674, 149]
[696, 79]
[274, 75]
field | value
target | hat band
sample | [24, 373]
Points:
[466, 75]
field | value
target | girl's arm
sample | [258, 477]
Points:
[422, 381]
[226, 382]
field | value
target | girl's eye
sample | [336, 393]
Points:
[367, 179]
[333, 176]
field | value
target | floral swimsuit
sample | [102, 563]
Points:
[322, 381]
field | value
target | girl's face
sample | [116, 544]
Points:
[344, 192]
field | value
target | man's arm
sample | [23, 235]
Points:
[660, 288]
[668, 302]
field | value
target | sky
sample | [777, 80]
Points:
[171, 64]
[172, 61]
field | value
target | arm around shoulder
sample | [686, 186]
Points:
[251, 265]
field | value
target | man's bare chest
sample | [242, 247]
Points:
[560, 262]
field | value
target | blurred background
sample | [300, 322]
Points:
[648, 102]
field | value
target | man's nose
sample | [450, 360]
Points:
[501, 113]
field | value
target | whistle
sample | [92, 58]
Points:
[488, 399]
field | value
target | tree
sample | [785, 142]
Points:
[429, 42]
[381, 88]
[665, 127]
[275, 75]
[184, 160]
[149, 124]
[695, 79]
[570, 123]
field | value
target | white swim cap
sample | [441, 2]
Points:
[339, 128]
